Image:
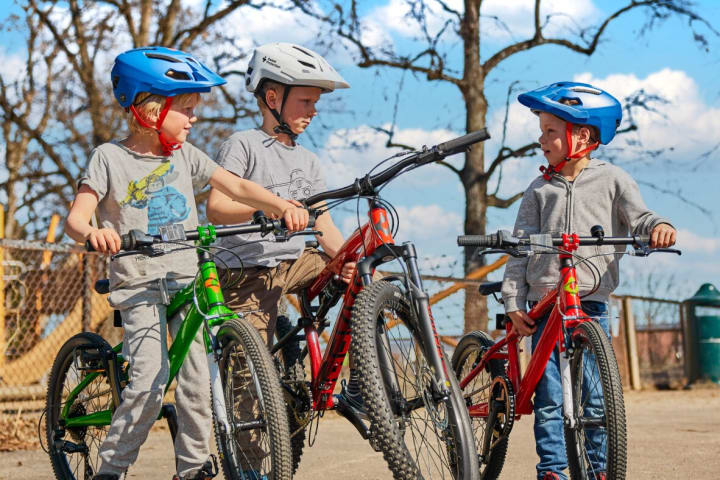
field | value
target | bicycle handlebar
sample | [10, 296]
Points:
[502, 239]
[367, 184]
[136, 239]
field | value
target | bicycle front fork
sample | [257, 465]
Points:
[420, 301]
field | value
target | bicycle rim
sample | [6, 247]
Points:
[597, 443]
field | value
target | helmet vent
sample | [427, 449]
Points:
[175, 75]
[190, 59]
[160, 56]
[594, 91]
[309, 65]
[303, 51]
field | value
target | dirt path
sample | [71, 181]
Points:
[671, 435]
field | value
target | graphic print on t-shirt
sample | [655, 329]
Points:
[298, 188]
[164, 203]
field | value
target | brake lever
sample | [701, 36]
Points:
[645, 251]
[279, 237]
[513, 252]
[147, 251]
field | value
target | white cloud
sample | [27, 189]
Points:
[13, 66]
[351, 153]
[686, 123]
[688, 241]
[428, 222]
[501, 20]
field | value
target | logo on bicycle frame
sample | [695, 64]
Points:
[571, 286]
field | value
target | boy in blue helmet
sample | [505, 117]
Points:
[573, 194]
[143, 182]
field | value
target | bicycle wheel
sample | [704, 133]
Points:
[421, 434]
[259, 439]
[74, 451]
[479, 391]
[298, 397]
[597, 441]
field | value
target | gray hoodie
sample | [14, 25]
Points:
[602, 194]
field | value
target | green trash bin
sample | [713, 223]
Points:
[702, 334]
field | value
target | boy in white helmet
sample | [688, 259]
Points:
[287, 81]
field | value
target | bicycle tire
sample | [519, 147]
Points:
[465, 357]
[254, 403]
[66, 373]
[402, 428]
[594, 354]
[292, 377]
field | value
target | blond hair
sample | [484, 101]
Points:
[149, 106]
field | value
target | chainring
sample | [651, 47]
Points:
[503, 397]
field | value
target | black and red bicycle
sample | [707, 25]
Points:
[415, 413]
[497, 393]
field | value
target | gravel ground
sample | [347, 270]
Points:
[672, 434]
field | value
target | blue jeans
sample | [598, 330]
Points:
[548, 406]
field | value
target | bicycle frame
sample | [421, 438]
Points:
[374, 242]
[209, 299]
[566, 314]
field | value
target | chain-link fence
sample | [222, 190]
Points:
[46, 296]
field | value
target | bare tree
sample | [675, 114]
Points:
[55, 111]
[433, 59]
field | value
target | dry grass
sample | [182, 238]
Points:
[19, 431]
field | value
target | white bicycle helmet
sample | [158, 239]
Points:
[292, 65]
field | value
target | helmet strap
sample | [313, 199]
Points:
[282, 127]
[167, 145]
[550, 170]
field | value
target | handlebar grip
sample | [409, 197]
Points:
[477, 240]
[125, 243]
[459, 144]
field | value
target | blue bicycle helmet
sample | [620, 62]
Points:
[159, 70]
[592, 106]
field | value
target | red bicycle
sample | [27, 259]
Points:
[415, 409]
[496, 392]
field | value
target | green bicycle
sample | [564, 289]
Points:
[88, 374]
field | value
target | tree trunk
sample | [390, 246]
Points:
[474, 183]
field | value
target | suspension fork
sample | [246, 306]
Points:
[420, 302]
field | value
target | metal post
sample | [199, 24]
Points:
[631, 341]
[3, 346]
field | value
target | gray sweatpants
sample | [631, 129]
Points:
[145, 348]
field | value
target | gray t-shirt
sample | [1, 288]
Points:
[145, 192]
[288, 172]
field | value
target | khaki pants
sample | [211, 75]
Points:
[255, 292]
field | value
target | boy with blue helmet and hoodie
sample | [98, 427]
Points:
[143, 182]
[573, 194]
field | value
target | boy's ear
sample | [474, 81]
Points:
[272, 98]
[584, 135]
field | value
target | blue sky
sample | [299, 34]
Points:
[665, 60]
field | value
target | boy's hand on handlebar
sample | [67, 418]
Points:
[522, 323]
[105, 240]
[662, 236]
[296, 217]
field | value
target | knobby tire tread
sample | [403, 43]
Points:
[241, 332]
